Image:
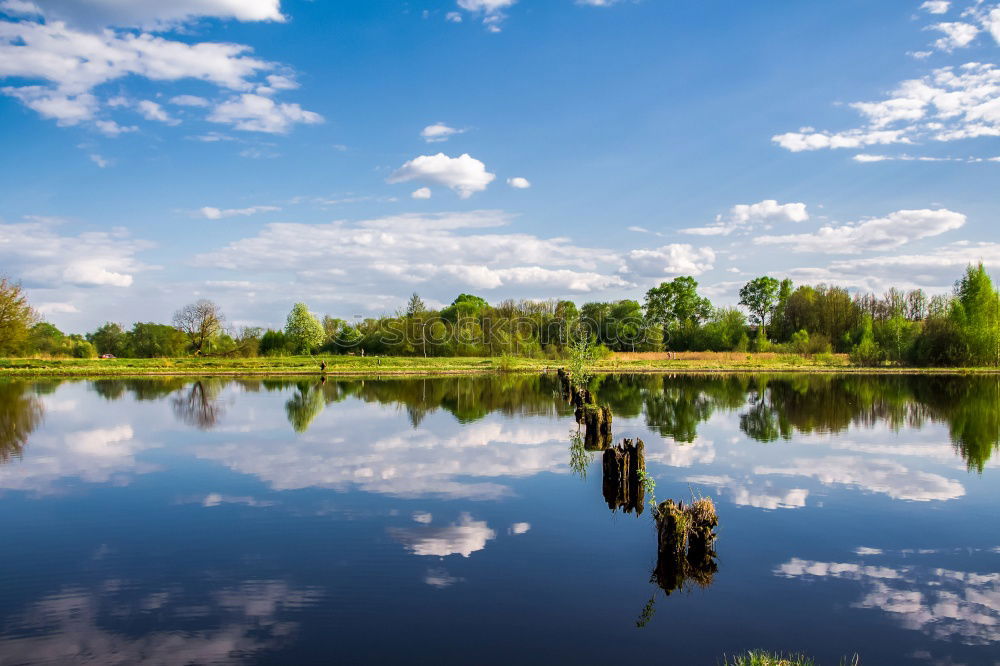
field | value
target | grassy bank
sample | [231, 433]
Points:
[761, 658]
[408, 365]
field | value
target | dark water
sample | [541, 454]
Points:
[459, 521]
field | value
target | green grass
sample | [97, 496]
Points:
[762, 658]
[396, 365]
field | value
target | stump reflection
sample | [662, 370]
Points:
[622, 468]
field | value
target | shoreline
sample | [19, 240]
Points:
[436, 367]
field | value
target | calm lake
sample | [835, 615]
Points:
[463, 520]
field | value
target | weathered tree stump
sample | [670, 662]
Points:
[685, 541]
[622, 484]
[565, 385]
[597, 426]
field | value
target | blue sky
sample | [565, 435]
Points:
[349, 153]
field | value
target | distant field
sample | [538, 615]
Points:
[396, 365]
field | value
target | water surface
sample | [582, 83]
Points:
[461, 520]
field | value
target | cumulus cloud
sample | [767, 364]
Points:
[933, 271]
[94, 455]
[464, 174]
[111, 128]
[492, 11]
[253, 617]
[884, 233]
[154, 14]
[750, 492]
[945, 604]
[873, 474]
[463, 537]
[956, 35]
[746, 216]
[153, 111]
[443, 251]
[519, 183]
[421, 193]
[188, 100]
[669, 260]
[949, 104]
[256, 113]
[73, 61]
[439, 132]
[212, 213]
[936, 6]
[42, 257]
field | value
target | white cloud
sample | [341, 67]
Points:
[380, 259]
[945, 604]
[956, 35]
[873, 474]
[188, 100]
[111, 128]
[66, 109]
[936, 6]
[519, 183]
[460, 538]
[520, 528]
[56, 308]
[213, 213]
[41, 257]
[440, 578]
[949, 104]
[749, 492]
[807, 139]
[156, 14]
[276, 83]
[256, 113]
[93, 456]
[669, 260]
[153, 111]
[73, 62]
[453, 17]
[884, 233]
[421, 193]
[99, 161]
[439, 132]
[464, 174]
[743, 217]
[934, 272]
[491, 11]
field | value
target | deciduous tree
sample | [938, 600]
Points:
[200, 322]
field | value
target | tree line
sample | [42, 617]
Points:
[897, 327]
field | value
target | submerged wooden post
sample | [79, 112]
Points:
[622, 483]
[685, 538]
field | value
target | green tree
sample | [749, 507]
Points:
[274, 343]
[303, 329]
[759, 296]
[44, 338]
[16, 317]
[867, 351]
[109, 338]
[415, 306]
[152, 340]
[976, 313]
[465, 306]
[677, 308]
[200, 322]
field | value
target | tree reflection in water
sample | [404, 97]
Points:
[199, 405]
[21, 411]
[770, 407]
